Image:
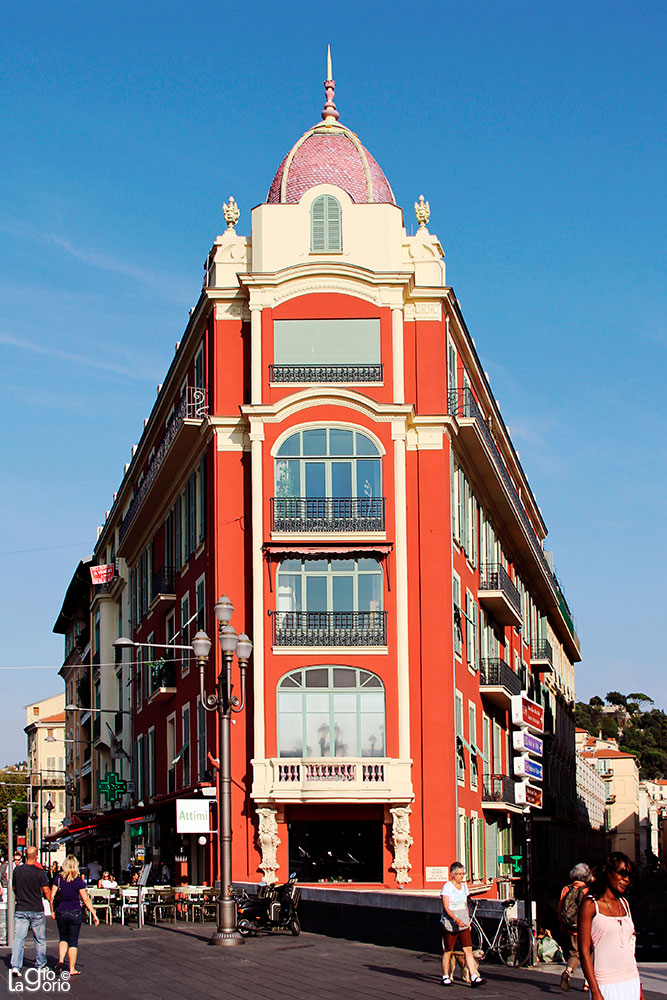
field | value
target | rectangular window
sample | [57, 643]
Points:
[139, 677]
[178, 545]
[472, 738]
[185, 633]
[185, 757]
[472, 632]
[201, 605]
[460, 758]
[302, 342]
[451, 366]
[458, 624]
[171, 753]
[151, 762]
[199, 369]
[169, 541]
[497, 749]
[201, 513]
[202, 758]
[139, 765]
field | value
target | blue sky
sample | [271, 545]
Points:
[536, 132]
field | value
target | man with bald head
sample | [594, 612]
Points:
[30, 884]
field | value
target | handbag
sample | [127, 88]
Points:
[56, 896]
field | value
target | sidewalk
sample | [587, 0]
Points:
[175, 963]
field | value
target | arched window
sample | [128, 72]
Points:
[326, 231]
[331, 711]
[328, 462]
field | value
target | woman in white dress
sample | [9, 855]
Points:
[607, 934]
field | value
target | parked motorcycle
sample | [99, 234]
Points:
[274, 907]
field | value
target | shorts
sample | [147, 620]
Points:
[69, 926]
[449, 939]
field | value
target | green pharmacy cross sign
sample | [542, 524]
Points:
[112, 786]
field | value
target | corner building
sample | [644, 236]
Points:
[327, 451]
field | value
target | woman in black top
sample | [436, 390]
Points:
[68, 912]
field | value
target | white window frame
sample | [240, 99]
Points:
[185, 618]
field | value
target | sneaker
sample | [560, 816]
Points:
[565, 979]
[446, 981]
[16, 974]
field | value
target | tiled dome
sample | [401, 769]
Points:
[330, 154]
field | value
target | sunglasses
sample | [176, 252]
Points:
[624, 872]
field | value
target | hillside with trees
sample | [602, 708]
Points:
[633, 720]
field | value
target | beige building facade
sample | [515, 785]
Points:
[45, 731]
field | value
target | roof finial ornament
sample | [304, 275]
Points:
[231, 212]
[422, 212]
[330, 115]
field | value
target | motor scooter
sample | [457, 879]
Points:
[274, 907]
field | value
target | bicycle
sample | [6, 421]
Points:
[512, 941]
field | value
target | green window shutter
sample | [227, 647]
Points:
[202, 498]
[317, 225]
[325, 225]
[480, 848]
[466, 832]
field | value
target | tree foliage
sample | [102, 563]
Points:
[644, 734]
[13, 791]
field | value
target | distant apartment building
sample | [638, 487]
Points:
[45, 732]
[620, 772]
[591, 805]
[652, 820]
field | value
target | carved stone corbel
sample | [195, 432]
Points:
[268, 843]
[402, 841]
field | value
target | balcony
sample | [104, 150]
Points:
[180, 435]
[163, 586]
[163, 680]
[331, 779]
[499, 595]
[498, 793]
[476, 434]
[607, 774]
[498, 682]
[297, 374]
[541, 656]
[330, 628]
[334, 514]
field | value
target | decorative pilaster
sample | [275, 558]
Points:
[268, 843]
[402, 841]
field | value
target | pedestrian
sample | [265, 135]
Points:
[107, 881]
[456, 925]
[607, 934]
[18, 859]
[69, 895]
[94, 871]
[571, 898]
[30, 885]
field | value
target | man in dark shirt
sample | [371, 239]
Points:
[30, 884]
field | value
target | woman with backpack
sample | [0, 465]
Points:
[571, 898]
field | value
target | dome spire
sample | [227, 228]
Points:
[330, 115]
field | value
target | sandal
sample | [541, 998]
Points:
[446, 981]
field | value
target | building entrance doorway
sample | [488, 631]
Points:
[336, 850]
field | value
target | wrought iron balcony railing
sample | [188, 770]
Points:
[163, 582]
[542, 651]
[326, 373]
[498, 788]
[494, 672]
[332, 514]
[192, 406]
[329, 628]
[494, 576]
[462, 403]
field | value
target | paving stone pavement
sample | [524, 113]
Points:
[175, 963]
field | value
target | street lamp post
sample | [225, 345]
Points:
[224, 703]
